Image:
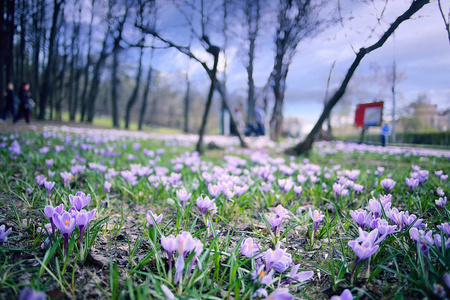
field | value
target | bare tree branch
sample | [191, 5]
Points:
[306, 145]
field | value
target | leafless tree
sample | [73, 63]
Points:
[446, 19]
[47, 83]
[214, 51]
[306, 145]
[297, 20]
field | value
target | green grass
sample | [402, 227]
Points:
[122, 257]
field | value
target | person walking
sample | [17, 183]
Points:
[10, 99]
[384, 134]
[260, 116]
[26, 103]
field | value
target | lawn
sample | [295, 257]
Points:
[113, 215]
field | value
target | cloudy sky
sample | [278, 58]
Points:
[422, 51]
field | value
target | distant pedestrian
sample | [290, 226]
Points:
[11, 101]
[260, 116]
[237, 114]
[26, 103]
[384, 134]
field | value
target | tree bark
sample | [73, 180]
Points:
[145, 96]
[187, 101]
[86, 68]
[47, 85]
[215, 52]
[135, 93]
[305, 146]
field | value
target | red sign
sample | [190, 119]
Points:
[369, 114]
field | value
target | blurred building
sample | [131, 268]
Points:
[428, 114]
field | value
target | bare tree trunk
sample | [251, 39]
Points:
[86, 68]
[253, 15]
[23, 29]
[135, 93]
[95, 83]
[306, 145]
[145, 95]
[114, 86]
[186, 103]
[47, 85]
[215, 52]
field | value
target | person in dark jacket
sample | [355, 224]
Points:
[10, 99]
[26, 104]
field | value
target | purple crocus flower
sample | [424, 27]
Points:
[284, 263]
[48, 186]
[66, 176]
[249, 248]
[383, 227]
[157, 218]
[410, 219]
[440, 203]
[185, 243]
[273, 256]
[412, 183]
[79, 200]
[29, 294]
[375, 207]
[338, 188]
[4, 234]
[422, 176]
[49, 163]
[280, 294]
[206, 205]
[49, 211]
[361, 217]
[363, 250]
[388, 184]
[106, 187]
[82, 219]
[259, 275]
[445, 227]
[438, 241]
[443, 178]
[129, 177]
[183, 196]
[76, 169]
[167, 293]
[421, 238]
[282, 212]
[169, 245]
[66, 224]
[439, 290]
[179, 267]
[214, 190]
[298, 190]
[296, 276]
[275, 223]
[317, 217]
[447, 279]
[40, 179]
[346, 295]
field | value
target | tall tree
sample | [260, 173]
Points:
[252, 10]
[211, 49]
[117, 36]
[297, 20]
[47, 83]
[97, 70]
[306, 145]
[445, 19]
[75, 53]
[87, 66]
[134, 95]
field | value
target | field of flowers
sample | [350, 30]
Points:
[121, 215]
